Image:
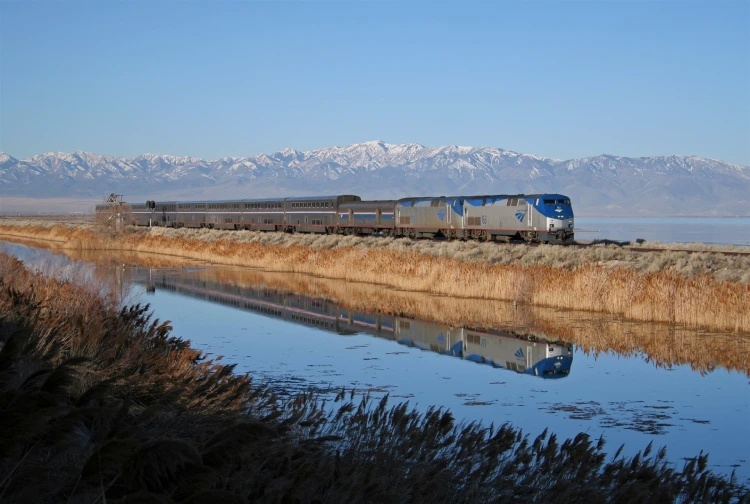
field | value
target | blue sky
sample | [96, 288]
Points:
[212, 79]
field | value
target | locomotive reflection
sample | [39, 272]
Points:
[526, 354]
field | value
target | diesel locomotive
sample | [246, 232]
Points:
[539, 218]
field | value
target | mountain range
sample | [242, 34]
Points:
[603, 185]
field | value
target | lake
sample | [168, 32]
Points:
[534, 368]
[719, 230]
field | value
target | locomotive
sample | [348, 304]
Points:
[539, 218]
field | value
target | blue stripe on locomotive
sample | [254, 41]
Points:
[552, 367]
[457, 350]
[554, 210]
[546, 209]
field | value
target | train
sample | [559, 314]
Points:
[528, 354]
[535, 218]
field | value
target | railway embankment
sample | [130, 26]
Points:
[695, 286]
[101, 403]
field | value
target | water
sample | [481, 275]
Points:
[624, 398]
[297, 340]
[735, 231]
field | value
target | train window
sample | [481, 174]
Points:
[435, 203]
[549, 202]
[473, 339]
[404, 324]
[512, 201]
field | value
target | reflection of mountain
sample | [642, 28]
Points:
[502, 349]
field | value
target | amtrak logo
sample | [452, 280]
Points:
[519, 353]
[520, 215]
[441, 215]
[558, 209]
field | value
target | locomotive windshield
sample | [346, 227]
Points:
[555, 206]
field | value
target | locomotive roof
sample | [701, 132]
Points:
[481, 196]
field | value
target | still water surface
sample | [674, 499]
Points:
[532, 379]
[720, 230]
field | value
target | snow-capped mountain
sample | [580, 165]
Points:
[601, 185]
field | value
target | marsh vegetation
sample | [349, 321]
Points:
[707, 288]
[102, 403]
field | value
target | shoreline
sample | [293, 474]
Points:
[687, 288]
[139, 412]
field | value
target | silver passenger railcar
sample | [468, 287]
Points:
[366, 217]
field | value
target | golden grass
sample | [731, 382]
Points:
[462, 270]
[665, 345]
[108, 406]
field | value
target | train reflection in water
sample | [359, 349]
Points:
[502, 349]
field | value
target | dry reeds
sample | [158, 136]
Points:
[103, 404]
[597, 280]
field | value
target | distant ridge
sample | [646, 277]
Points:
[599, 185]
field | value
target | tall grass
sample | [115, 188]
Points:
[102, 404]
[558, 277]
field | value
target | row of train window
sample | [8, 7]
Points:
[312, 321]
[237, 206]
[473, 339]
[312, 204]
